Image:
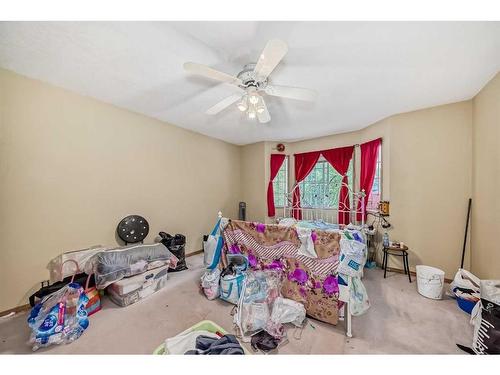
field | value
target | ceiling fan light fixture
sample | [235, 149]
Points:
[252, 114]
[253, 98]
[260, 108]
[243, 105]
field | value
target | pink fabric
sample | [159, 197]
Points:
[369, 151]
[276, 162]
[339, 158]
[304, 164]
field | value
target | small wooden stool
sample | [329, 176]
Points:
[400, 252]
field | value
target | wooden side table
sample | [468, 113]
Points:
[400, 252]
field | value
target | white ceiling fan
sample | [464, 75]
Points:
[253, 82]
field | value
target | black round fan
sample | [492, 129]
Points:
[133, 228]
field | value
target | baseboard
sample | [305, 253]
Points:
[194, 253]
[413, 273]
[15, 310]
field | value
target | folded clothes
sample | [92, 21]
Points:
[227, 344]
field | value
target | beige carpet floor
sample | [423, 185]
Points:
[400, 321]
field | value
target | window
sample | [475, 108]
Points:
[280, 185]
[376, 193]
[321, 187]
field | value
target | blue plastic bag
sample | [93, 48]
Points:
[59, 318]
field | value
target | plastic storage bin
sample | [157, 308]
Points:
[204, 325]
[465, 304]
[430, 281]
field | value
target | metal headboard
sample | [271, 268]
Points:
[320, 210]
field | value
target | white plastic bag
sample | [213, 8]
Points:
[285, 311]
[465, 280]
[352, 257]
[358, 299]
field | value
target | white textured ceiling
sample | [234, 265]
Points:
[362, 71]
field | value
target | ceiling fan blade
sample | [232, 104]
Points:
[206, 71]
[223, 104]
[296, 93]
[263, 116]
[273, 53]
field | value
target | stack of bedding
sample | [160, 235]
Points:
[132, 273]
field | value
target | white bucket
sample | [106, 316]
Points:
[430, 282]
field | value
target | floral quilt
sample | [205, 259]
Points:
[311, 281]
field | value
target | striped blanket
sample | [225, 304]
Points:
[311, 281]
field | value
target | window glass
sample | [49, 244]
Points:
[280, 184]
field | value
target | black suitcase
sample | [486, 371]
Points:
[47, 288]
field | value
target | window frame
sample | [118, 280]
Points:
[286, 181]
[378, 170]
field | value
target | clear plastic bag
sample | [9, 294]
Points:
[210, 283]
[285, 311]
[260, 290]
[59, 318]
[115, 264]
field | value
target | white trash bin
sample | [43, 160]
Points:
[430, 281]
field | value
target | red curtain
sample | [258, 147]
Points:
[369, 151]
[304, 164]
[339, 158]
[276, 162]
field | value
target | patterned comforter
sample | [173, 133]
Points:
[311, 281]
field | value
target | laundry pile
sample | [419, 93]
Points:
[204, 342]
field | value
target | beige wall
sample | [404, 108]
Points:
[426, 177]
[71, 167]
[486, 182]
[253, 177]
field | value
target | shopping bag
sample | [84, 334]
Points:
[59, 318]
[210, 283]
[212, 247]
[231, 286]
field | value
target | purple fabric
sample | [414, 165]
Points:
[298, 275]
[331, 285]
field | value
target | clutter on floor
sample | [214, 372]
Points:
[128, 274]
[177, 246]
[60, 318]
[132, 289]
[485, 318]
[227, 344]
[205, 337]
[115, 264]
[276, 274]
[466, 289]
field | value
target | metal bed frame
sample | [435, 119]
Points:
[323, 211]
[330, 215]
